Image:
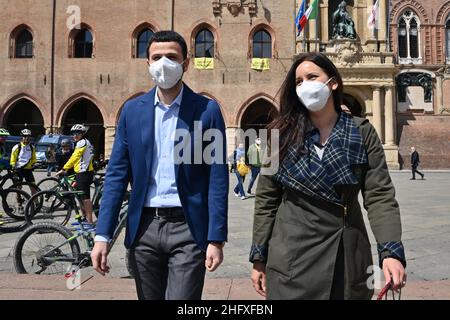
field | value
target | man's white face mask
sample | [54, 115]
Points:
[166, 73]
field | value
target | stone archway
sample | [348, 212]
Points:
[256, 116]
[24, 113]
[353, 105]
[86, 112]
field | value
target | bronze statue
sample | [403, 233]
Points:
[343, 25]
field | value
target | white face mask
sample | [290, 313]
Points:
[166, 73]
[314, 94]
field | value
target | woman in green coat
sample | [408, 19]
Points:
[309, 237]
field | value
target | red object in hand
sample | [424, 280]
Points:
[384, 292]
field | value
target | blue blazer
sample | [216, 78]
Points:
[203, 188]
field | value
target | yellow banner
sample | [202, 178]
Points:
[204, 63]
[260, 64]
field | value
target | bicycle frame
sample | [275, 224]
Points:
[87, 236]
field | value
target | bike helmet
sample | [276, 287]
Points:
[25, 133]
[65, 142]
[78, 128]
[4, 132]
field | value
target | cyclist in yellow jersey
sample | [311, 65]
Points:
[82, 161]
[23, 157]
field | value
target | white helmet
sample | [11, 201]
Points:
[25, 133]
[79, 128]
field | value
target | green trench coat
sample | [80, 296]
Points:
[303, 234]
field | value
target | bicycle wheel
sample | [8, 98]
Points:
[48, 184]
[14, 203]
[41, 249]
[28, 187]
[48, 205]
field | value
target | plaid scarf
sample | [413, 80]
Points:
[312, 176]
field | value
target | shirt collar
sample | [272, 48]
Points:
[176, 102]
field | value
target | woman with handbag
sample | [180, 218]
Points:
[240, 171]
[309, 237]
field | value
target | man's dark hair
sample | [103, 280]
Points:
[168, 36]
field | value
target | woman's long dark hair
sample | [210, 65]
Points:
[293, 120]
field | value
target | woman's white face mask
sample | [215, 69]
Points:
[166, 73]
[314, 94]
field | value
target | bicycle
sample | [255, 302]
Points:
[36, 252]
[12, 180]
[13, 204]
[58, 203]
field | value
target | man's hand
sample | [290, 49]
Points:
[214, 256]
[99, 256]
[393, 270]
[61, 173]
[259, 277]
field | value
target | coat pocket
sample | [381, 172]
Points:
[281, 253]
[358, 259]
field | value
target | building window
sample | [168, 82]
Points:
[24, 45]
[83, 44]
[447, 36]
[402, 42]
[409, 38]
[262, 45]
[204, 44]
[143, 39]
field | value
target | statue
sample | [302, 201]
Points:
[343, 25]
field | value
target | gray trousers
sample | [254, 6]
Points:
[166, 261]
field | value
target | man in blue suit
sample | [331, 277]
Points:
[177, 215]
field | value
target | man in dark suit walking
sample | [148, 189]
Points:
[415, 163]
[177, 213]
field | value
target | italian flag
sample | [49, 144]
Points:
[310, 14]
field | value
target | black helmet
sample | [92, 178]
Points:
[65, 142]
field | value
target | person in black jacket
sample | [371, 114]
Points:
[63, 155]
[415, 163]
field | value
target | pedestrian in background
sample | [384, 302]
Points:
[415, 161]
[239, 155]
[50, 156]
[254, 155]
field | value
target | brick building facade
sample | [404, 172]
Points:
[48, 85]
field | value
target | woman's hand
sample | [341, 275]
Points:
[259, 277]
[393, 270]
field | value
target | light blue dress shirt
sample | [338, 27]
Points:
[162, 191]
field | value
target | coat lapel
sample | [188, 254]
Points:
[186, 117]
[147, 123]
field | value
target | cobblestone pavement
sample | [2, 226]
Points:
[425, 209]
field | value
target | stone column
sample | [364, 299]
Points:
[110, 133]
[231, 139]
[312, 35]
[376, 110]
[389, 116]
[382, 24]
[324, 19]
